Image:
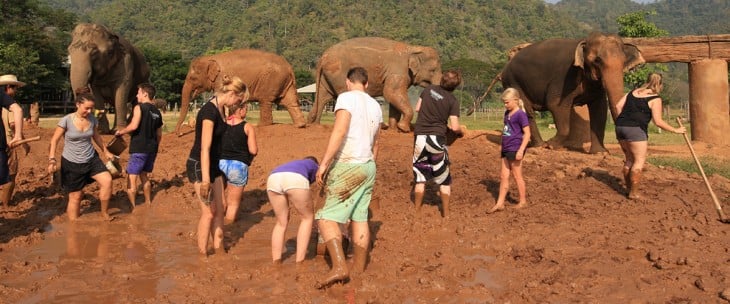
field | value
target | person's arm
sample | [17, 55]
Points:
[620, 106]
[339, 131]
[376, 145]
[253, 148]
[656, 114]
[454, 124]
[18, 118]
[134, 124]
[525, 140]
[418, 104]
[52, 162]
[206, 141]
[99, 142]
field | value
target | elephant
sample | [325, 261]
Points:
[560, 74]
[269, 78]
[392, 67]
[108, 66]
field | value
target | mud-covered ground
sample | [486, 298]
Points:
[579, 240]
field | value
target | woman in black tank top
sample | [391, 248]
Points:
[636, 109]
[238, 149]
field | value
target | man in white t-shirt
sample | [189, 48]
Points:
[349, 167]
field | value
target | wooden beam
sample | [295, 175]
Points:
[683, 48]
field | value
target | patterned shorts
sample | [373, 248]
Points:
[349, 190]
[431, 160]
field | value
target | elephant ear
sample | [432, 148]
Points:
[414, 59]
[633, 57]
[213, 70]
[579, 59]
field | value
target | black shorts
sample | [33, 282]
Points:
[195, 173]
[75, 176]
[631, 134]
[511, 155]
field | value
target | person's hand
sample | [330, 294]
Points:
[118, 134]
[14, 142]
[52, 166]
[109, 155]
[204, 193]
[520, 154]
[321, 174]
[680, 130]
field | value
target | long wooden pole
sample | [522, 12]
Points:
[704, 177]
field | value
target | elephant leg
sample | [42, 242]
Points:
[396, 93]
[291, 103]
[597, 112]
[266, 117]
[394, 115]
[561, 117]
[320, 101]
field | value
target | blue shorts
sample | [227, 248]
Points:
[139, 162]
[236, 172]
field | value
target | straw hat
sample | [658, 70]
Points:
[10, 79]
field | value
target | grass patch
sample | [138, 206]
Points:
[710, 165]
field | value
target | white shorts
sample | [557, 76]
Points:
[281, 182]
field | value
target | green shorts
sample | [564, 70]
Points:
[349, 189]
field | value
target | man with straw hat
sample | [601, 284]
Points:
[9, 85]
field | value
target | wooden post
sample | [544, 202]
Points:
[708, 101]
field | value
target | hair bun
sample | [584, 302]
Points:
[226, 80]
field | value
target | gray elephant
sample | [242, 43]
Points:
[269, 77]
[558, 74]
[109, 66]
[392, 67]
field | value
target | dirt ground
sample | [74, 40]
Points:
[580, 239]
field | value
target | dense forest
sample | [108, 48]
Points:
[472, 35]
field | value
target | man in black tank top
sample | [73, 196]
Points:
[146, 132]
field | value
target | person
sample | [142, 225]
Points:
[515, 136]
[349, 164]
[237, 152]
[289, 183]
[201, 166]
[636, 109]
[9, 85]
[80, 164]
[436, 106]
[145, 130]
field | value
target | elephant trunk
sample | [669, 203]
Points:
[613, 82]
[187, 92]
[80, 73]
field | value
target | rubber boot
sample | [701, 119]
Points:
[339, 270]
[627, 178]
[359, 259]
[635, 179]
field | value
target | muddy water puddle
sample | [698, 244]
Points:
[151, 256]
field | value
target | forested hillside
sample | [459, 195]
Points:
[472, 35]
[678, 17]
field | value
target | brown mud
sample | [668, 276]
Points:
[578, 240]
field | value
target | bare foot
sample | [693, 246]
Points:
[107, 217]
[497, 207]
[521, 205]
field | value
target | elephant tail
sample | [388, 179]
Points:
[478, 101]
[315, 113]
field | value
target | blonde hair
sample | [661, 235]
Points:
[512, 93]
[653, 82]
[234, 84]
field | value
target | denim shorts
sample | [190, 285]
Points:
[236, 172]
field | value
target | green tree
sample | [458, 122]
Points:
[169, 70]
[635, 25]
[33, 43]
